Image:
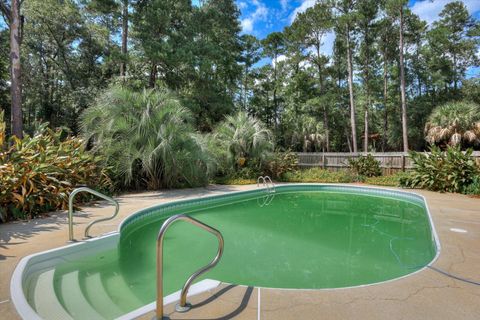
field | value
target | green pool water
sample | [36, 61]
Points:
[307, 239]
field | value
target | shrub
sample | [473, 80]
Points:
[38, 173]
[365, 166]
[474, 187]
[148, 139]
[454, 123]
[319, 175]
[242, 141]
[280, 163]
[449, 171]
[392, 180]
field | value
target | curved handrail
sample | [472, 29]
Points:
[267, 183]
[264, 183]
[268, 180]
[70, 210]
[183, 305]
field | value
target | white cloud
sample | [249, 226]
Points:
[284, 4]
[302, 8]
[247, 25]
[259, 14]
[327, 45]
[429, 10]
[242, 5]
[280, 58]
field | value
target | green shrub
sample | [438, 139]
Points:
[365, 166]
[449, 171]
[280, 163]
[241, 141]
[474, 187]
[392, 180]
[148, 139]
[320, 176]
[234, 181]
[38, 173]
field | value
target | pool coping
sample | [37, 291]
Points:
[26, 311]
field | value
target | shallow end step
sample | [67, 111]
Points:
[45, 300]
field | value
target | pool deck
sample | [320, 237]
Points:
[427, 294]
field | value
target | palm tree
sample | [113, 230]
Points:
[147, 138]
[244, 138]
[454, 123]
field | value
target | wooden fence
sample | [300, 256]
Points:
[390, 162]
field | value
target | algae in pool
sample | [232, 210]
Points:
[299, 240]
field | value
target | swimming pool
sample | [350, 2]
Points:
[301, 237]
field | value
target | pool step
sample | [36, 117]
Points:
[101, 300]
[45, 298]
[120, 292]
[75, 302]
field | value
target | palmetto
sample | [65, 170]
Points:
[454, 123]
[147, 135]
[243, 137]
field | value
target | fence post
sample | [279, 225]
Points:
[403, 162]
[324, 165]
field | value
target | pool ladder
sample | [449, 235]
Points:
[183, 305]
[266, 183]
[70, 210]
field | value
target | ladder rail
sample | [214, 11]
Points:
[267, 183]
[183, 305]
[70, 210]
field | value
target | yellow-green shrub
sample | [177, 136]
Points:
[38, 173]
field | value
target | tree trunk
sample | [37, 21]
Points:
[153, 76]
[325, 108]
[402, 87]
[385, 99]
[350, 89]
[15, 71]
[365, 142]
[327, 131]
[123, 65]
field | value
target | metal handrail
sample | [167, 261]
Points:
[267, 183]
[182, 306]
[70, 210]
[264, 183]
[268, 180]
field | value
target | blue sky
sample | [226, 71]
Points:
[260, 17]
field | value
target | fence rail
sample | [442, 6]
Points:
[390, 162]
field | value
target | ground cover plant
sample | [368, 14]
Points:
[445, 171]
[320, 175]
[38, 172]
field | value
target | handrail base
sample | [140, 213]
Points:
[184, 308]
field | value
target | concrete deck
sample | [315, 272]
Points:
[425, 295]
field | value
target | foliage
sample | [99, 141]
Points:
[242, 141]
[234, 181]
[280, 163]
[474, 187]
[38, 172]
[365, 166]
[320, 176]
[148, 139]
[392, 180]
[449, 171]
[454, 123]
